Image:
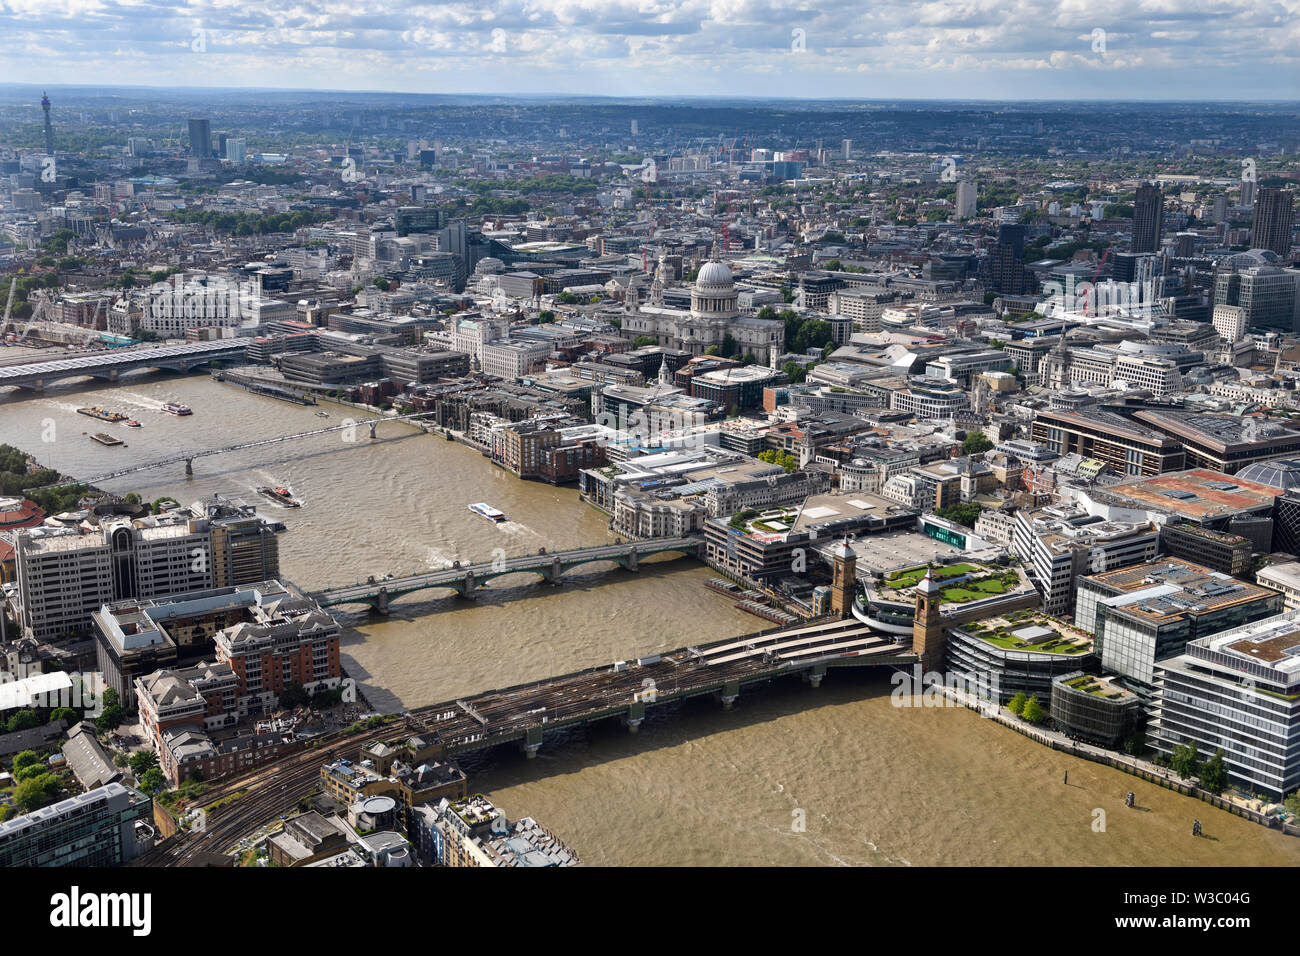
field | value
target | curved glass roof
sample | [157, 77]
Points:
[1281, 473]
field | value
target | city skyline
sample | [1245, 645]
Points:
[982, 51]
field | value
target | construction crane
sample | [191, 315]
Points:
[13, 283]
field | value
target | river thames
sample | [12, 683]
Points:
[873, 784]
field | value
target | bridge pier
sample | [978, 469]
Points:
[630, 562]
[634, 717]
[730, 691]
[381, 601]
[372, 429]
[814, 675]
[556, 572]
[189, 467]
[532, 742]
[465, 587]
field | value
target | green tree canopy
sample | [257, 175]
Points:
[975, 443]
[1033, 711]
[1214, 775]
[1017, 703]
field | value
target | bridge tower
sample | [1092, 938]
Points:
[927, 628]
[844, 579]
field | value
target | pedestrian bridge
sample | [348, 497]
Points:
[549, 566]
[112, 363]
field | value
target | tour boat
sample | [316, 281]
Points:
[487, 511]
[176, 408]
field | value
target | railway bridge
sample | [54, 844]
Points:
[110, 364]
[628, 689]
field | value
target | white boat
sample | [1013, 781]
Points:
[487, 511]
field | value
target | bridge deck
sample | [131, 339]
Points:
[524, 712]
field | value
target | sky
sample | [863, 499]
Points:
[954, 49]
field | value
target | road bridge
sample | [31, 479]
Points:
[627, 690]
[189, 456]
[112, 363]
[377, 593]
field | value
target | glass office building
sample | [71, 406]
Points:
[92, 829]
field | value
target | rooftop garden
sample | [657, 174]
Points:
[967, 582]
[771, 521]
[1029, 630]
[1092, 685]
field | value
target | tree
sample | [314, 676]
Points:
[36, 792]
[26, 759]
[30, 771]
[975, 443]
[294, 694]
[1033, 711]
[713, 350]
[546, 316]
[644, 341]
[153, 781]
[23, 720]
[1185, 761]
[111, 718]
[1292, 804]
[1214, 776]
[1017, 704]
[966, 513]
[380, 283]
[795, 372]
[142, 761]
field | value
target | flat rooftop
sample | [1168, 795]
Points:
[1170, 589]
[1198, 493]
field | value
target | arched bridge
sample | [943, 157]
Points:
[550, 567]
[112, 363]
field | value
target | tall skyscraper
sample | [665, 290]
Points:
[1148, 217]
[847, 146]
[200, 138]
[1274, 216]
[49, 130]
[966, 194]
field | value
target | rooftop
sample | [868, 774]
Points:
[1031, 632]
[1199, 493]
[1168, 590]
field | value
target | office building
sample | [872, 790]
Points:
[1225, 443]
[200, 138]
[1266, 294]
[108, 826]
[1217, 550]
[1143, 614]
[1062, 541]
[268, 632]
[1237, 691]
[65, 576]
[966, 195]
[1096, 709]
[1148, 218]
[1126, 446]
[1274, 219]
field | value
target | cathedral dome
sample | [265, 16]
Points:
[715, 275]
